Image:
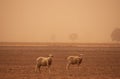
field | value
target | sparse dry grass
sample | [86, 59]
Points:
[19, 63]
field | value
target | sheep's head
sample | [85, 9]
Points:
[50, 55]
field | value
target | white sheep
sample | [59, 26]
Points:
[72, 60]
[43, 61]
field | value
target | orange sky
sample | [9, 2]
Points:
[54, 20]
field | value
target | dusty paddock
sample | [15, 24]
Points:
[18, 62]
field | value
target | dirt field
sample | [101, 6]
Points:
[18, 62]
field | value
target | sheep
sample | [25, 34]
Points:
[43, 61]
[72, 60]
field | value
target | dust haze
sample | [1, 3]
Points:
[87, 21]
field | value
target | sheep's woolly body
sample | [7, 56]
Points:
[72, 60]
[43, 61]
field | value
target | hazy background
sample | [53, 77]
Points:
[55, 20]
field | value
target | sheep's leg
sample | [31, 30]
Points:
[79, 63]
[49, 69]
[36, 68]
[39, 69]
[67, 66]
[48, 66]
[78, 66]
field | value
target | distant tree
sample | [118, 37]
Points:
[73, 36]
[115, 36]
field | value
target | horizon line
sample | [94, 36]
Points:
[55, 43]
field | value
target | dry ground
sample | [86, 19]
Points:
[98, 63]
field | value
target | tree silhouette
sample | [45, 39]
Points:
[73, 36]
[116, 35]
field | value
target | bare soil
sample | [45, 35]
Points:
[18, 62]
